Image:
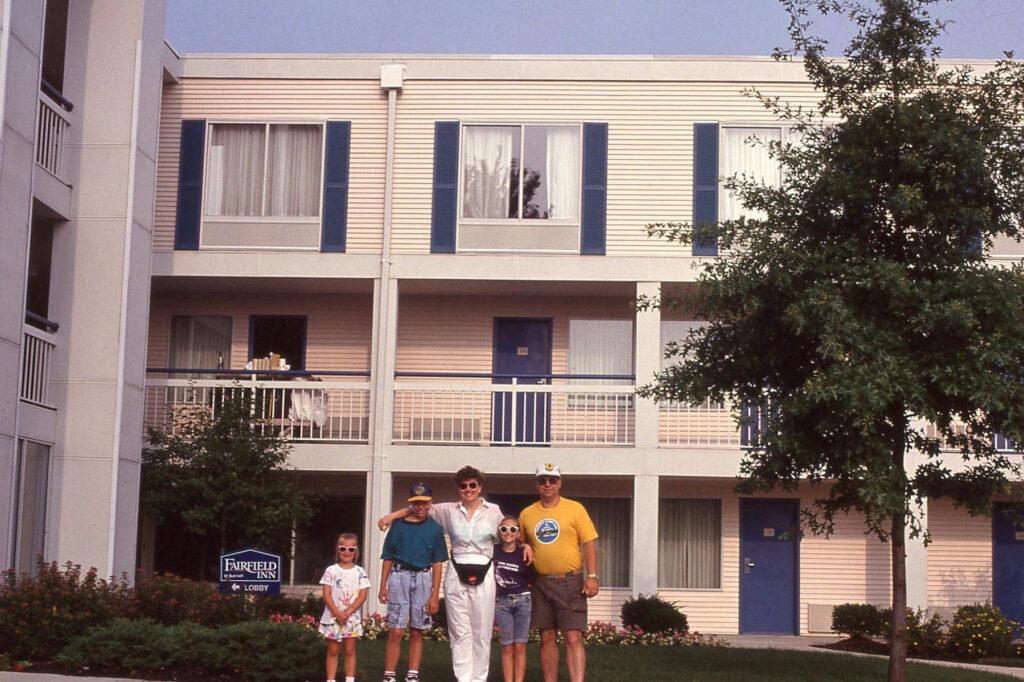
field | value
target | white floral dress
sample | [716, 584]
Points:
[345, 586]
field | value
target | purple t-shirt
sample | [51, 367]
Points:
[511, 574]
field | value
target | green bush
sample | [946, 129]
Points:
[924, 635]
[130, 645]
[170, 600]
[651, 614]
[981, 631]
[40, 613]
[266, 651]
[857, 620]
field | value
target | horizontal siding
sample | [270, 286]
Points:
[650, 143]
[650, 140]
[271, 101]
[338, 332]
[959, 556]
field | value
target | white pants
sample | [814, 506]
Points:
[470, 625]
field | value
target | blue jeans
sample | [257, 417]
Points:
[513, 615]
[408, 594]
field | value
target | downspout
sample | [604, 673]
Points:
[5, 41]
[122, 330]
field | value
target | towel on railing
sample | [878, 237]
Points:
[309, 405]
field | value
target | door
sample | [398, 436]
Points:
[522, 350]
[1008, 559]
[768, 566]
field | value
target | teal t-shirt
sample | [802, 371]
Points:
[416, 545]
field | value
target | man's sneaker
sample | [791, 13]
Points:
[414, 677]
[389, 678]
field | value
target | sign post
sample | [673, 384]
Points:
[250, 571]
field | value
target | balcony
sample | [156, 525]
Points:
[54, 121]
[40, 340]
[330, 407]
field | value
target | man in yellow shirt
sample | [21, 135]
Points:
[563, 538]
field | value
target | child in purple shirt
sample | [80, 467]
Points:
[512, 577]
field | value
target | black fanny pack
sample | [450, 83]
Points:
[471, 574]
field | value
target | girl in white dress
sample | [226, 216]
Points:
[345, 588]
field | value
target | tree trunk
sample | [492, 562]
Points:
[898, 629]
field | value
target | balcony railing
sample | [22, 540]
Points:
[708, 425]
[54, 122]
[317, 407]
[36, 358]
[489, 409]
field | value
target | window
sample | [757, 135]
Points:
[200, 342]
[689, 544]
[283, 335]
[31, 472]
[675, 330]
[741, 155]
[263, 170]
[529, 172]
[601, 347]
[613, 519]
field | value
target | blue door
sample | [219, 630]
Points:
[522, 350]
[768, 566]
[1008, 559]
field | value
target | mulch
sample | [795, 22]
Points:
[858, 645]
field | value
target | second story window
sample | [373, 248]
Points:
[521, 172]
[263, 170]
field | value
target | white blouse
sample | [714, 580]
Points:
[476, 535]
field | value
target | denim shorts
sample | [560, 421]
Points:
[408, 594]
[512, 611]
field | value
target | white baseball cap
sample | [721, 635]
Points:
[547, 469]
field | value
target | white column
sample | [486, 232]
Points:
[644, 556]
[378, 503]
[647, 349]
[917, 565]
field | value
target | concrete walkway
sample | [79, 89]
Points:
[805, 643]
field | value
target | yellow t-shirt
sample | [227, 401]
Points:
[556, 533]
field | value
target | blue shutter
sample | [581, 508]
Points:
[595, 189]
[446, 178]
[334, 216]
[190, 185]
[705, 184]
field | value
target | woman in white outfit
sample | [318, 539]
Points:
[472, 528]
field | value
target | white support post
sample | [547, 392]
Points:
[378, 503]
[647, 349]
[917, 565]
[644, 556]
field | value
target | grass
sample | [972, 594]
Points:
[671, 664]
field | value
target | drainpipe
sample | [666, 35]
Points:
[382, 382]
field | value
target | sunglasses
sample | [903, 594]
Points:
[472, 485]
[547, 480]
[347, 549]
[509, 529]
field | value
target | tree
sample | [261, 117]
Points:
[855, 306]
[220, 475]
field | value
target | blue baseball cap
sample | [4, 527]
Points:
[420, 492]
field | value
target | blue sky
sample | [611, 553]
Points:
[981, 28]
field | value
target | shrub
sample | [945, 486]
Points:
[170, 600]
[980, 631]
[40, 613]
[266, 651]
[130, 645]
[651, 614]
[857, 620]
[924, 635]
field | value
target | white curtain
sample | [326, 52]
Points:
[689, 543]
[601, 347]
[613, 519]
[31, 503]
[740, 155]
[486, 172]
[234, 184]
[200, 342]
[563, 172]
[293, 173]
[675, 330]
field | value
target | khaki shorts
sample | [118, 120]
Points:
[559, 603]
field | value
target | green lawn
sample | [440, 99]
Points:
[647, 664]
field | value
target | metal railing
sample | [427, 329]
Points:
[54, 122]
[492, 409]
[301, 406]
[35, 365]
[708, 425]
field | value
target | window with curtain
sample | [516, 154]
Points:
[689, 544]
[677, 330]
[521, 172]
[200, 342]
[32, 466]
[600, 347]
[613, 519]
[741, 154]
[255, 170]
